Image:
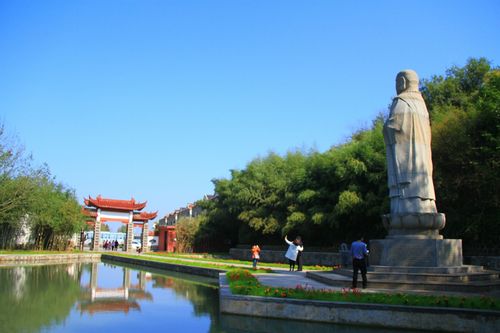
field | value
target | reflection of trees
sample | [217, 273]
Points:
[205, 298]
[33, 297]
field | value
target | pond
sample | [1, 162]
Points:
[106, 297]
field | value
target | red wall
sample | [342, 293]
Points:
[171, 239]
[166, 239]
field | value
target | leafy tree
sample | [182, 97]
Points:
[465, 109]
[31, 201]
[16, 188]
[186, 229]
[55, 215]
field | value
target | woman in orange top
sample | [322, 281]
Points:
[255, 255]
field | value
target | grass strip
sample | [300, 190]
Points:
[221, 266]
[210, 258]
[242, 282]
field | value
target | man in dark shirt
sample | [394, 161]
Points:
[359, 253]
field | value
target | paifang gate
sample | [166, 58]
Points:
[100, 210]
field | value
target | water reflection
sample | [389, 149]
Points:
[35, 297]
[101, 297]
[122, 298]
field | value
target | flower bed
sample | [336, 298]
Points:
[242, 282]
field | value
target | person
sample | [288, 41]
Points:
[83, 238]
[359, 253]
[255, 255]
[299, 253]
[407, 136]
[293, 249]
[116, 245]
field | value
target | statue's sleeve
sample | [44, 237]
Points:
[394, 124]
[404, 137]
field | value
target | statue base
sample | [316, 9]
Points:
[416, 252]
[413, 240]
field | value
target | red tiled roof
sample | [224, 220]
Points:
[143, 216]
[127, 205]
[89, 213]
[109, 306]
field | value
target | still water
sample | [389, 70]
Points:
[104, 297]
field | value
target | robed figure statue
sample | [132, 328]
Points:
[413, 224]
[407, 136]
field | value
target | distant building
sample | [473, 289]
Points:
[166, 225]
[106, 236]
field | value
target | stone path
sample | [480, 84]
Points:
[291, 280]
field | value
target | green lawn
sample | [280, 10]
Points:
[242, 282]
[221, 266]
[219, 258]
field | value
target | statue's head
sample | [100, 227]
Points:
[406, 80]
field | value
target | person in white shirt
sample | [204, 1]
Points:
[293, 250]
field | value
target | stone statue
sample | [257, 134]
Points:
[407, 136]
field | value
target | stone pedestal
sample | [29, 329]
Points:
[413, 240]
[416, 252]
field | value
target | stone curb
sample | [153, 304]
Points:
[374, 315]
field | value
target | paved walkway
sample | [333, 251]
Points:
[281, 278]
[287, 279]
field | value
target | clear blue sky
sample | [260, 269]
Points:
[153, 99]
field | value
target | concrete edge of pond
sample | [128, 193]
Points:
[201, 271]
[47, 258]
[374, 315]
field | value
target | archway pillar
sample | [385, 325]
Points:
[144, 237]
[130, 234]
[97, 232]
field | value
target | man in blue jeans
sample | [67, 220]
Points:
[359, 253]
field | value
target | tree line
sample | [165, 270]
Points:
[333, 196]
[33, 205]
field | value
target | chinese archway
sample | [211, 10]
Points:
[100, 210]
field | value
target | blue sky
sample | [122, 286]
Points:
[153, 99]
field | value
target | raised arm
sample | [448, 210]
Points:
[287, 241]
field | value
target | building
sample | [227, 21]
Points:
[166, 225]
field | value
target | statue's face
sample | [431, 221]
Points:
[400, 84]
